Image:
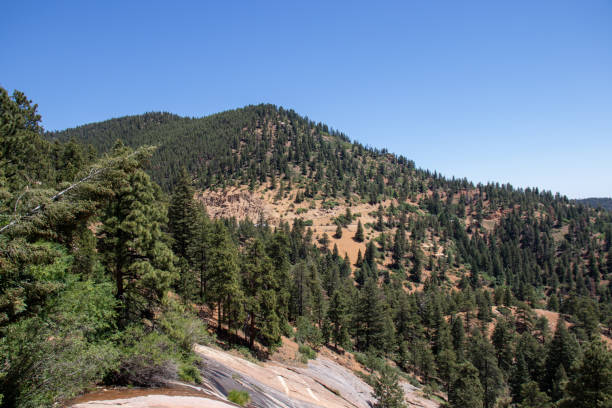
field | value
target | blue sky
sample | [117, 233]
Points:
[514, 91]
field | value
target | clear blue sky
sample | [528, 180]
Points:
[508, 91]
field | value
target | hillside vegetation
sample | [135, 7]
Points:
[605, 203]
[448, 288]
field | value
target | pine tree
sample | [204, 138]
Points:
[561, 351]
[519, 376]
[338, 233]
[197, 250]
[223, 273]
[466, 390]
[261, 306]
[182, 221]
[369, 327]
[446, 361]
[532, 397]
[338, 314]
[482, 356]
[591, 384]
[387, 391]
[181, 214]
[502, 340]
[359, 260]
[359, 235]
[458, 335]
[399, 244]
[134, 247]
[417, 266]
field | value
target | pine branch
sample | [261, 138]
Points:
[93, 172]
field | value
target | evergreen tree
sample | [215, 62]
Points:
[458, 336]
[368, 325]
[417, 265]
[591, 385]
[482, 356]
[338, 314]
[338, 233]
[502, 340]
[561, 351]
[223, 273]
[182, 223]
[261, 306]
[387, 391]
[359, 235]
[466, 390]
[134, 247]
[532, 397]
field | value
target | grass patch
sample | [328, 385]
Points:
[306, 353]
[239, 397]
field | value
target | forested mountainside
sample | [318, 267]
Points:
[484, 295]
[605, 203]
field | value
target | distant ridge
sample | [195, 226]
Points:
[596, 202]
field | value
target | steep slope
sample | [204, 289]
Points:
[414, 268]
[266, 161]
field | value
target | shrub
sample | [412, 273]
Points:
[239, 397]
[308, 333]
[188, 372]
[148, 359]
[307, 353]
[182, 326]
[43, 366]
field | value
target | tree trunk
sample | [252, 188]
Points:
[219, 316]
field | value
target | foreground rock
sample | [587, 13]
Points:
[321, 383]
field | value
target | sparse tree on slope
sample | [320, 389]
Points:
[387, 390]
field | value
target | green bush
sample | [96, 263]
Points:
[148, 359]
[182, 326]
[188, 372]
[307, 332]
[239, 397]
[306, 353]
[43, 365]
[328, 205]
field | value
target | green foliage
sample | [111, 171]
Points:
[182, 326]
[306, 353]
[307, 332]
[53, 356]
[359, 234]
[189, 372]
[532, 397]
[152, 358]
[592, 384]
[133, 245]
[86, 272]
[466, 390]
[387, 391]
[239, 397]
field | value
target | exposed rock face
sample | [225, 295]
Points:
[237, 203]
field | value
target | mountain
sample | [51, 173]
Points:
[264, 233]
[595, 202]
[269, 162]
